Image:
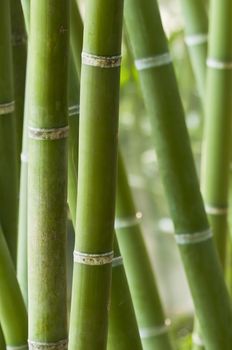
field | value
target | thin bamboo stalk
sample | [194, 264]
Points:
[177, 170]
[97, 175]
[8, 175]
[13, 315]
[76, 29]
[2, 341]
[47, 173]
[19, 43]
[217, 144]
[150, 315]
[196, 29]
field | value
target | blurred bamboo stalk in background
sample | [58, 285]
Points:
[47, 173]
[8, 174]
[19, 45]
[178, 173]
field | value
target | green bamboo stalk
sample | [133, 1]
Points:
[96, 175]
[120, 335]
[177, 170]
[19, 43]
[196, 29]
[75, 34]
[47, 173]
[216, 152]
[2, 341]
[13, 315]
[8, 175]
[145, 295]
[123, 328]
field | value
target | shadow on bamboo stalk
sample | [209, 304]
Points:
[8, 176]
[19, 43]
[193, 236]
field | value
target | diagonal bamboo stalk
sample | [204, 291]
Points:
[97, 175]
[8, 175]
[13, 315]
[162, 99]
[19, 64]
[150, 315]
[196, 38]
[47, 174]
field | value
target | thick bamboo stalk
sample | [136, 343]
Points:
[8, 166]
[150, 315]
[47, 173]
[19, 43]
[13, 315]
[177, 170]
[196, 29]
[96, 175]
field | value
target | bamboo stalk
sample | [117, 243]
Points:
[76, 33]
[150, 315]
[177, 170]
[19, 43]
[2, 341]
[8, 175]
[47, 173]
[120, 335]
[97, 174]
[196, 29]
[13, 315]
[216, 152]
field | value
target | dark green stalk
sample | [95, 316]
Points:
[96, 175]
[178, 173]
[145, 296]
[19, 43]
[13, 315]
[196, 29]
[8, 166]
[47, 173]
[2, 341]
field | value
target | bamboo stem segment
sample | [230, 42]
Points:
[97, 174]
[47, 174]
[176, 167]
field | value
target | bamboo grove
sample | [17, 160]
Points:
[64, 177]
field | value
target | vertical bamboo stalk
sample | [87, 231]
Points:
[121, 308]
[47, 173]
[2, 341]
[13, 315]
[177, 170]
[19, 43]
[216, 152]
[196, 29]
[96, 175]
[8, 175]
[150, 315]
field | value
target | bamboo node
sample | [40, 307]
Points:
[153, 61]
[117, 261]
[217, 64]
[93, 259]
[73, 110]
[126, 222]
[101, 61]
[155, 331]
[193, 238]
[59, 345]
[196, 339]
[196, 39]
[48, 134]
[7, 108]
[211, 210]
[20, 347]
